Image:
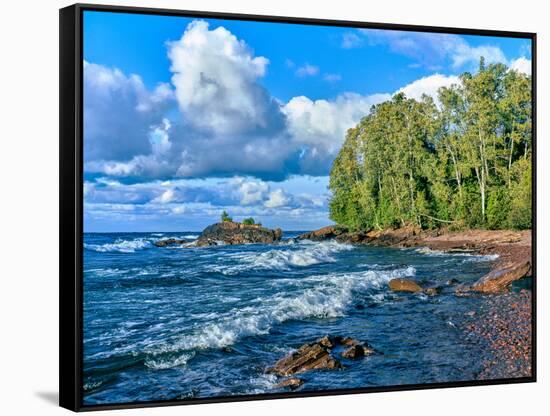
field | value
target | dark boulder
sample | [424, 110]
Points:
[170, 242]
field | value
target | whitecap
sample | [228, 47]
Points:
[328, 296]
[307, 254]
[120, 246]
[165, 363]
[467, 256]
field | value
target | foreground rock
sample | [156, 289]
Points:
[498, 280]
[230, 232]
[318, 356]
[314, 356]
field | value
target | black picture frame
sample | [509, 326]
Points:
[71, 203]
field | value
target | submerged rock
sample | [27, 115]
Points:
[404, 285]
[292, 383]
[230, 232]
[498, 280]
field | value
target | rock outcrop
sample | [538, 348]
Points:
[499, 279]
[314, 356]
[318, 355]
[230, 232]
[326, 233]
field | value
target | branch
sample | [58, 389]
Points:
[437, 219]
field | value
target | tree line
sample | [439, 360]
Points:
[463, 161]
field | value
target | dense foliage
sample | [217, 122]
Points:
[464, 161]
[249, 221]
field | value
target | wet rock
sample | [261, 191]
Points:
[432, 291]
[314, 356]
[353, 352]
[325, 233]
[292, 383]
[230, 232]
[451, 282]
[404, 285]
[170, 242]
[317, 355]
[499, 279]
[329, 341]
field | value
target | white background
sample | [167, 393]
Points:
[29, 206]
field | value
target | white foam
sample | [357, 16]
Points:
[165, 363]
[120, 246]
[467, 256]
[328, 296]
[285, 258]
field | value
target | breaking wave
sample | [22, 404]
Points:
[327, 296]
[307, 254]
[120, 246]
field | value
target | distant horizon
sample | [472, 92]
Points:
[187, 117]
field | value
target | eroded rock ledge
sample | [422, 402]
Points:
[323, 354]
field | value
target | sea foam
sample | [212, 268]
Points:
[467, 256]
[120, 246]
[285, 257]
[324, 296]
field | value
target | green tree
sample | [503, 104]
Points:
[248, 221]
[225, 217]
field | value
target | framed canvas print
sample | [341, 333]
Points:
[258, 207]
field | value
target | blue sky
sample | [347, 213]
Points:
[186, 117]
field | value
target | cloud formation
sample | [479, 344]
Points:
[433, 50]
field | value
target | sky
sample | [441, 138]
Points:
[187, 117]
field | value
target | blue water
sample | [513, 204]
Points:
[175, 323]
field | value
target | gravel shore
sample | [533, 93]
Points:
[504, 326]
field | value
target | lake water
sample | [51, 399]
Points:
[174, 323]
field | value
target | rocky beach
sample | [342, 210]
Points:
[502, 326]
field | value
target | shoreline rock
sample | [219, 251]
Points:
[513, 249]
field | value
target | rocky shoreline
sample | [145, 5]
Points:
[504, 327]
[513, 249]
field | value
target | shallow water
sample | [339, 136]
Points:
[171, 323]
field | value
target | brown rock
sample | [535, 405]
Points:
[328, 341]
[499, 279]
[293, 383]
[404, 285]
[325, 233]
[312, 356]
[432, 291]
[353, 352]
